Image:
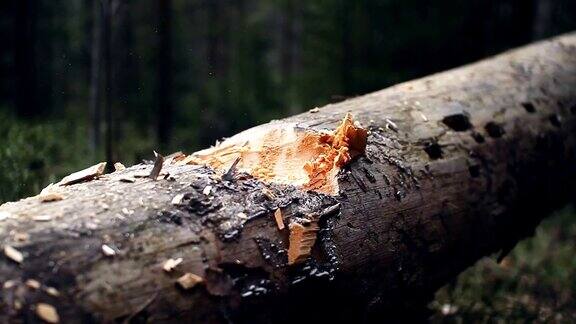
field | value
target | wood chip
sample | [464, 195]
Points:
[21, 237]
[278, 218]
[301, 241]
[50, 197]
[190, 159]
[119, 166]
[177, 199]
[391, 125]
[174, 157]
[108, 251]
[13, 254]
[189, 281]
[242, 215]
[207, 190]
[424, 118]
[52, 291]
[9, 284]
[32, 283]
[42, 218]
[4, 215]
[48, 189]
[170, 264]
[84, 175]
[314, 110]
[47, 313]
[158, 163]
[127, 179]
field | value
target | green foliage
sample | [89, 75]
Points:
[34, 155]
[536, 282]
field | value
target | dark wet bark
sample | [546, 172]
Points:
[459, 165]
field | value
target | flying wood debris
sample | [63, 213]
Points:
[13, 254]
[301, 241]
[189, 281]
[158, 163]
[119, 166]
[50, 197]
[84, 175]
[170, 264]
[278, 218]
[47, 313]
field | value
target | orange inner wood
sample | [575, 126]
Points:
[283, 153]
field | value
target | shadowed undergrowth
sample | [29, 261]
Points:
[534, 283]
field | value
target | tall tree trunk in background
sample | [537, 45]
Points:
[345, 49]
[164, 79]
[121, 68]
[214, 38]
[25, 59]
[542, 17]
[289, 52]
[95, 85]
[106, 40]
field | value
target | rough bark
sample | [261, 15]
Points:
[459, 165]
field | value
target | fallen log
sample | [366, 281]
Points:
[291, 222]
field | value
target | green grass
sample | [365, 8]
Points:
[535, 283]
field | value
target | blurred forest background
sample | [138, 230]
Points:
[85, 81]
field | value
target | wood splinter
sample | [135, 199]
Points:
[84, 175]
[158, 163]
[189, 281]
[278, 219]
[301, 241]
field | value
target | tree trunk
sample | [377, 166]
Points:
[95, 82]
[458, 165]
[107, 16]
[25, 59]
[164, 63]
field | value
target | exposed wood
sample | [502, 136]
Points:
[457, 166]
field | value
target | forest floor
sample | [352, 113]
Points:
[536, 282]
